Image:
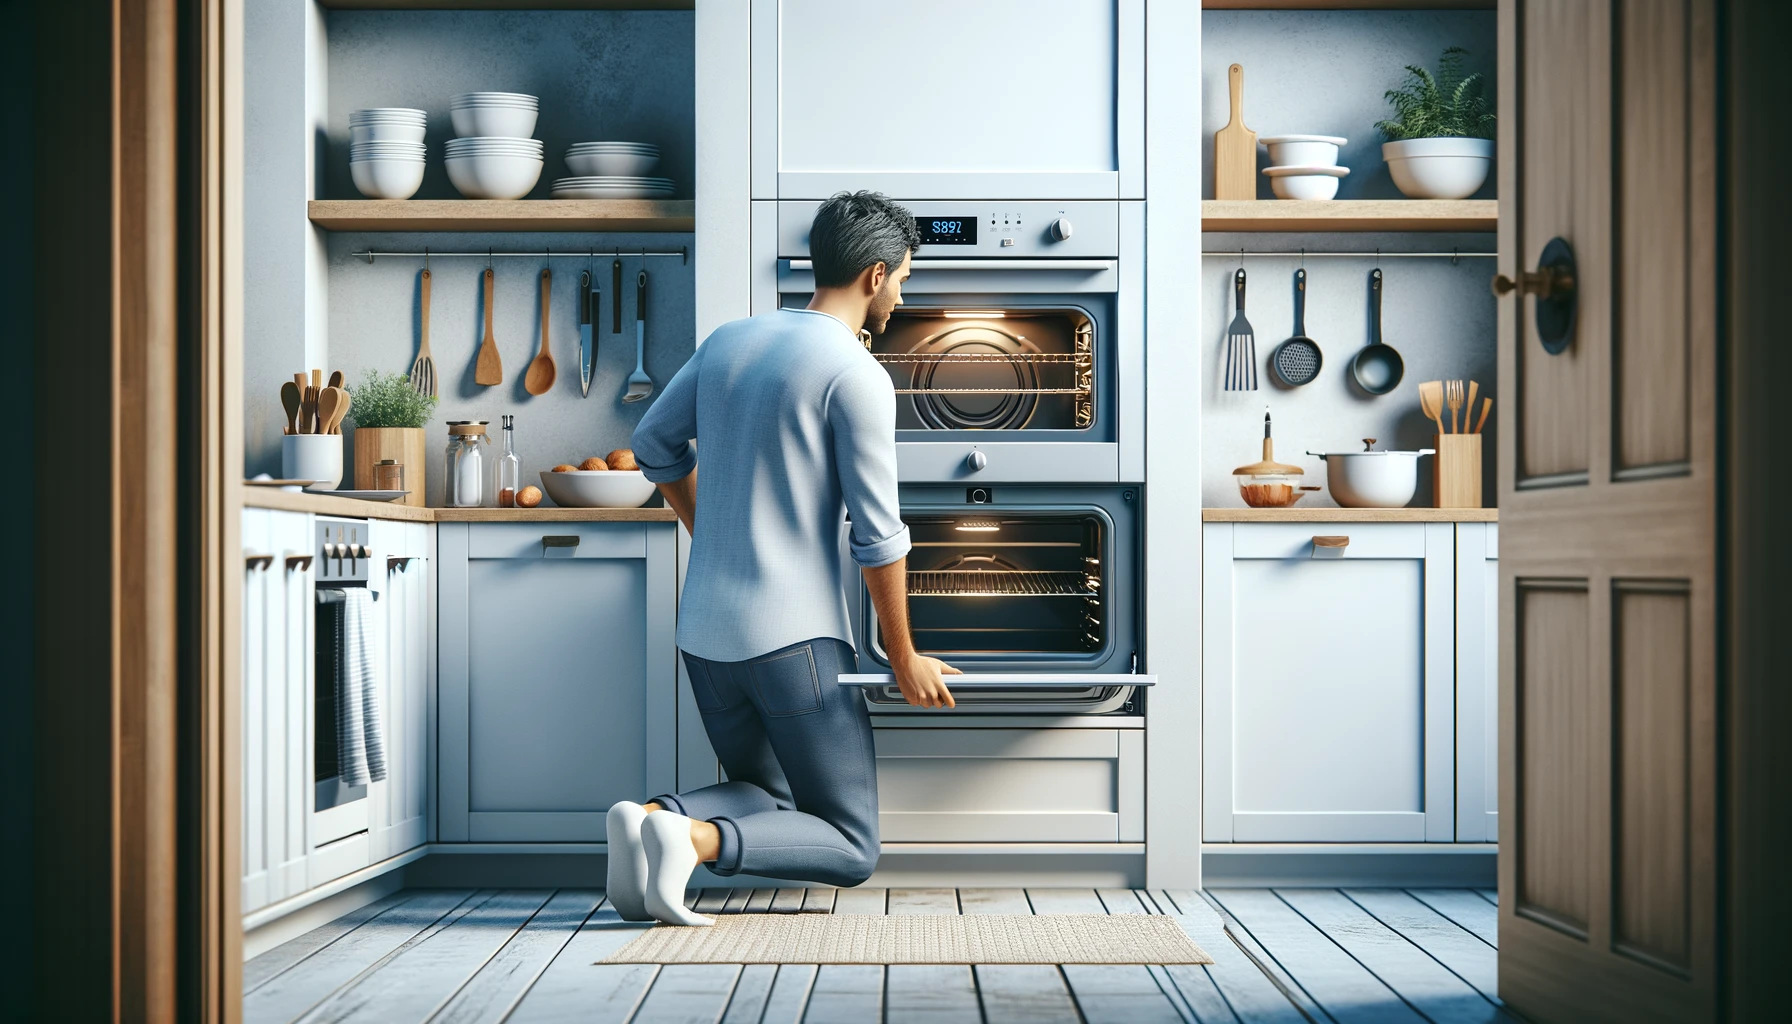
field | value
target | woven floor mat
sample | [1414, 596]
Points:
[918, 939]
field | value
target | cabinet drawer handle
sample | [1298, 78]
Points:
[1330, 547]
[299, 563]
[257, 560]
[552, 541]
[399, 562]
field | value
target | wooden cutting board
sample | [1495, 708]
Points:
[1235, 147]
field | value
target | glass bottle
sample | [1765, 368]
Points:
[467, 482]
[510, 467]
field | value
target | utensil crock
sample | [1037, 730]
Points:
[314, 457]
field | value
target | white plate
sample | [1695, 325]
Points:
[366, 495]
[612, 147]
[1276, 140]
[1286, 172]
[609, 194]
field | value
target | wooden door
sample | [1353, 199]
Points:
[1608, 488]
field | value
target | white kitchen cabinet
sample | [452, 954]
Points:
[1328, 704]
[558, 676]
[1477, 682]
[989, 785]
[276, 696]
[400, 573]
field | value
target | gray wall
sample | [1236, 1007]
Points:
[1324, 73]
[1439, 316]
[600, 75]
[374, 323]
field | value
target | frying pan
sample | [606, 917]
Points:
[1377, 368]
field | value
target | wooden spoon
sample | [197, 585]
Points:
[1431, 402]
[539, 380]
[329, 409]
[489, 370]
[335, 379]
[290, 398]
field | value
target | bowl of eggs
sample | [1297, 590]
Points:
[609, 481]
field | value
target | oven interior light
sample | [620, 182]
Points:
[977, 526]
[974, 314]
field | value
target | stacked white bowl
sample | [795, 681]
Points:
[1304, 166]
[494, 155]
[612, 170]
[386, 152]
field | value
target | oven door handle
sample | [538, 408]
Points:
[799, 266]
[1032, 680]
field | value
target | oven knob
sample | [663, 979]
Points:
[976, 460]
[1061, 229]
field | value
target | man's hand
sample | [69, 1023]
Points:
[919, 678]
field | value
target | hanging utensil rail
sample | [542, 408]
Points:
[1371, 255]
[683, 253]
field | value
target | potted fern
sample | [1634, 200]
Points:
[389, 416]
[1439, 141]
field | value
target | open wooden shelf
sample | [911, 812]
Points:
[1316, 514]
[511, 5]
[1344, 5]
[503, 214]
[1350, 215]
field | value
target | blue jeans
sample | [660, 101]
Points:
[801, 797]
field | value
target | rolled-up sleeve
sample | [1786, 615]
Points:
[662, 440]
[862, 416]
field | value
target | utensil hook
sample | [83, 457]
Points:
[425, 259]
[1455, 255]
[1303, 257]
[488, 257]
[1241, 258]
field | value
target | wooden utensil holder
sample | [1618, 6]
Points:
[1456, 471]
[402, 444]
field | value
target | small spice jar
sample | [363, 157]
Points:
[388, 475]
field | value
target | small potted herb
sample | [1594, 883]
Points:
[389, 416]
[1440, 139]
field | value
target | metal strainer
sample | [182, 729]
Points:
[1298, 360]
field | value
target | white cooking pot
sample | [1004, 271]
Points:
[1372, 479]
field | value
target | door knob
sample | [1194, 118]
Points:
[976, 460]
[1553, 284]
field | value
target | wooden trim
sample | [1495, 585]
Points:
[1350, 515]
[1350, 215]
[503, 214]
[537, 5]
[331, 505]
[1313, 5]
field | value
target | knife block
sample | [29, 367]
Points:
[404, 445]
[1456, 471]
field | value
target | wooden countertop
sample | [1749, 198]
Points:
[1350, 515]
[332, 505]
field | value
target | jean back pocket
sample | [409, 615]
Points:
[787, 683]
[703, 686]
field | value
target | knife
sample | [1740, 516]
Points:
[587, 348]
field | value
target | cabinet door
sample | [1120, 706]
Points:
[557, 676]
[1328, 693]
[400, 574]
[1477, 682]
[276, 687]
[260, 623]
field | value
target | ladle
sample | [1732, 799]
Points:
[1376, 367]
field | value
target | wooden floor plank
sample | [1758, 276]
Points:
[819, 901]
[1203, 996]
[747, 1005]
[688, 994]
[712, 901]
[993, 901]
[1466, 909]
[1490, 895]
[846, 994]
[502, 981]
[930, 994]
[575, 988]
[1447, 942]
[417, 980]
[1025, 994]
[923, 901]
[1119, 994]
[860, 900]
[1252, 993]
[761, 901]
[1344, 988]
[1414, 975]
[291, 993]
[790, 994]
[787, 901]
[1065, 901]
[284, 957]
[1120, 901]
[1178, 1002]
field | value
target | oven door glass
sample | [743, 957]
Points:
[983, 369]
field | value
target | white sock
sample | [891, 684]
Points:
[627, 885]
[666, 838]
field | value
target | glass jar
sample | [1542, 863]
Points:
[388, 475]
[468, 480]
[510, 467]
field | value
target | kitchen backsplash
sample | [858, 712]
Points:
[1438, 315]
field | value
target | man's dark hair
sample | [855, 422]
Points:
[855, 230]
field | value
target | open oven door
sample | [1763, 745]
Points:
[1012, 680]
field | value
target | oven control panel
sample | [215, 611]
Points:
[984, 230]
[343, 550]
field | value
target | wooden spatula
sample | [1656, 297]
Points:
[490, 369]
[1235, 148]
[423, 370]
[1431, 402]
[539, 379]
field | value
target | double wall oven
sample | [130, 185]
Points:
[1017, 360]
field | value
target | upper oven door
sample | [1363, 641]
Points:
[991, 99]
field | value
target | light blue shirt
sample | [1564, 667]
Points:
[797, 424]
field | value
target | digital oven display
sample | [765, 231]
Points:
[947, 230]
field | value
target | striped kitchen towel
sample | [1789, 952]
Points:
[360, 741]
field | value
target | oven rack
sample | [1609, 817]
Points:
[1001, 583]
[981, 357]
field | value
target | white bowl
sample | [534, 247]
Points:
[597, 488]
[467, 99]
[1438, 168]
[613, 147]
[387, 148]
[387, 179]
[387, 131]
[610, 163]
[1313, 183]
[489, 122]
[1303, 150]
[380, 113]
[494, 176]
[488, 142]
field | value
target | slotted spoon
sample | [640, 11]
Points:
[1241, 343]
[639, 384]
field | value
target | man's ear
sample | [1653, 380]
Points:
[879, 272]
